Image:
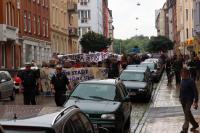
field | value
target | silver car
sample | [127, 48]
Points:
[6, 86]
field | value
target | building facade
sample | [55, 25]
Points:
[162, 23]
[90, 17]
[34, 31]
[110, 29]
[73, 37]
[10, 49]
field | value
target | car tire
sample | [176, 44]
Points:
[12, 97]
[148, 98]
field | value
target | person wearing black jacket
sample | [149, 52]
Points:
[188, 97]
[59, 81]
[29, 79]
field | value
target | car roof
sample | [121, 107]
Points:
[98, 81]
[135, 70]
[34, 116]
[131, 67]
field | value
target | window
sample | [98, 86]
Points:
[7, 13]
[3, 55]
[38, 24]
[187, 33]
[186, 14]
[43, 25]
[18, 18]
[34, 25]
[84, 2]
[38, 1]
[25, 24]
[43, 2]
[47, 28]
[84, 15]
[29, 22]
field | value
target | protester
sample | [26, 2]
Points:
[177, 66]
[188, 97]
[29, 80]
[59, 81]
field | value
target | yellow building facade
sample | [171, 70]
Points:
[61, 21]
[185, 25]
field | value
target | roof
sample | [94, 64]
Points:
[105, 81]
[135, 70]
[35, 116]
[141, 67]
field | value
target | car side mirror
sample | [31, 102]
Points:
[103, 130]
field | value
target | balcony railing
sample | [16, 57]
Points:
[73, 32]
[72, 7]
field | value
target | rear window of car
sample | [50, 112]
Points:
[92, 91]
[16, 129]
[132, 76]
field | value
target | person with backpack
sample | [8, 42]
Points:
[59, 81]
[29, 81]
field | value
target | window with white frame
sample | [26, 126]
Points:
[84, 15]
[34, 25]
[83, 2]
[43, 2]
[38, 1]
[29, 21]
[38, 25]
[25, 24]
[43, 25]
[47, 28]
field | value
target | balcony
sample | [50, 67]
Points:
[72, 7]
[8, 33]
[72, 32]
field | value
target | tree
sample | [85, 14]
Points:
[127, 45]
[94, 42]
[160, 43]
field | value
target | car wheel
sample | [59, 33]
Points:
[12, 97]
[148, 98]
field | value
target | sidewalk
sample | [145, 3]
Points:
[165, 114]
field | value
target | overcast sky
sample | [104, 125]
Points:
[125, 13]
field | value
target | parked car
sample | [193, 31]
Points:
[106, 103]
[137, 67]
[38, 119]
[138, 83]
[6, 86]
[153, 68]
[159, 63]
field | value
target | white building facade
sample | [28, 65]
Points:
[90, 17]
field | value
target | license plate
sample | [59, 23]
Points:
[132, 93]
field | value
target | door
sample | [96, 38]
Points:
[3, 85]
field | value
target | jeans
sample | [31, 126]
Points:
[186, 105]
[29, 96]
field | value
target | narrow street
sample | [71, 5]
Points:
[165, 113]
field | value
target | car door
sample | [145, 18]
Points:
[126, 105]
[9, 84]
[3, 85]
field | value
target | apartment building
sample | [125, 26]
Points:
[162, 23]
[34, 30]
[90, 17]
[110, 29]
[10, 49]
[185, 24]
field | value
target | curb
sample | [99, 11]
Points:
[142, 121]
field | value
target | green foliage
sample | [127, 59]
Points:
[93, 42]
[160, 43]
[126, 46]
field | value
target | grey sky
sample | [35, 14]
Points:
[125, 13]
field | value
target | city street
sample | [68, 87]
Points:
[138, 107]
[164, 114]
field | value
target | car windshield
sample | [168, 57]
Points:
[150, 65]
[132, 76]
[94, 91]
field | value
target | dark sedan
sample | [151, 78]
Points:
[106, 103]
[138, 83]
